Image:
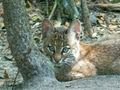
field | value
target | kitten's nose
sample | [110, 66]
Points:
[57, 57]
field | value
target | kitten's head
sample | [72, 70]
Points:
[59, 43]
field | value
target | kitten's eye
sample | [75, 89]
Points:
[65, 49]
[51, 48]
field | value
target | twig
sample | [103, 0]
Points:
[15, 80]
[47, 7]
[54, 7]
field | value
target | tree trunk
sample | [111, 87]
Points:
[86, 19]
[33, 66]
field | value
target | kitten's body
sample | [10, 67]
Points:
[73, 60]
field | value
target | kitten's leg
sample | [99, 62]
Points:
[83, 69]
[77, 70]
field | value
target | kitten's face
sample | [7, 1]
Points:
[56, 46]
[59, 44]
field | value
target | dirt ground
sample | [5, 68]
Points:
[103, 82]
[107, 82]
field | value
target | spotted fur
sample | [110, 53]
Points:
[73, 59]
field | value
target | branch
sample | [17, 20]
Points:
[113, 7]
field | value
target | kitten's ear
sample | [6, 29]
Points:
[46, 27]
[75, 28]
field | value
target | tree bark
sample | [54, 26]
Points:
[33, 66]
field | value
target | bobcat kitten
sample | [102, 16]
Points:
[73, 59]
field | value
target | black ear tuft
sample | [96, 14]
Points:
[66, 31]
